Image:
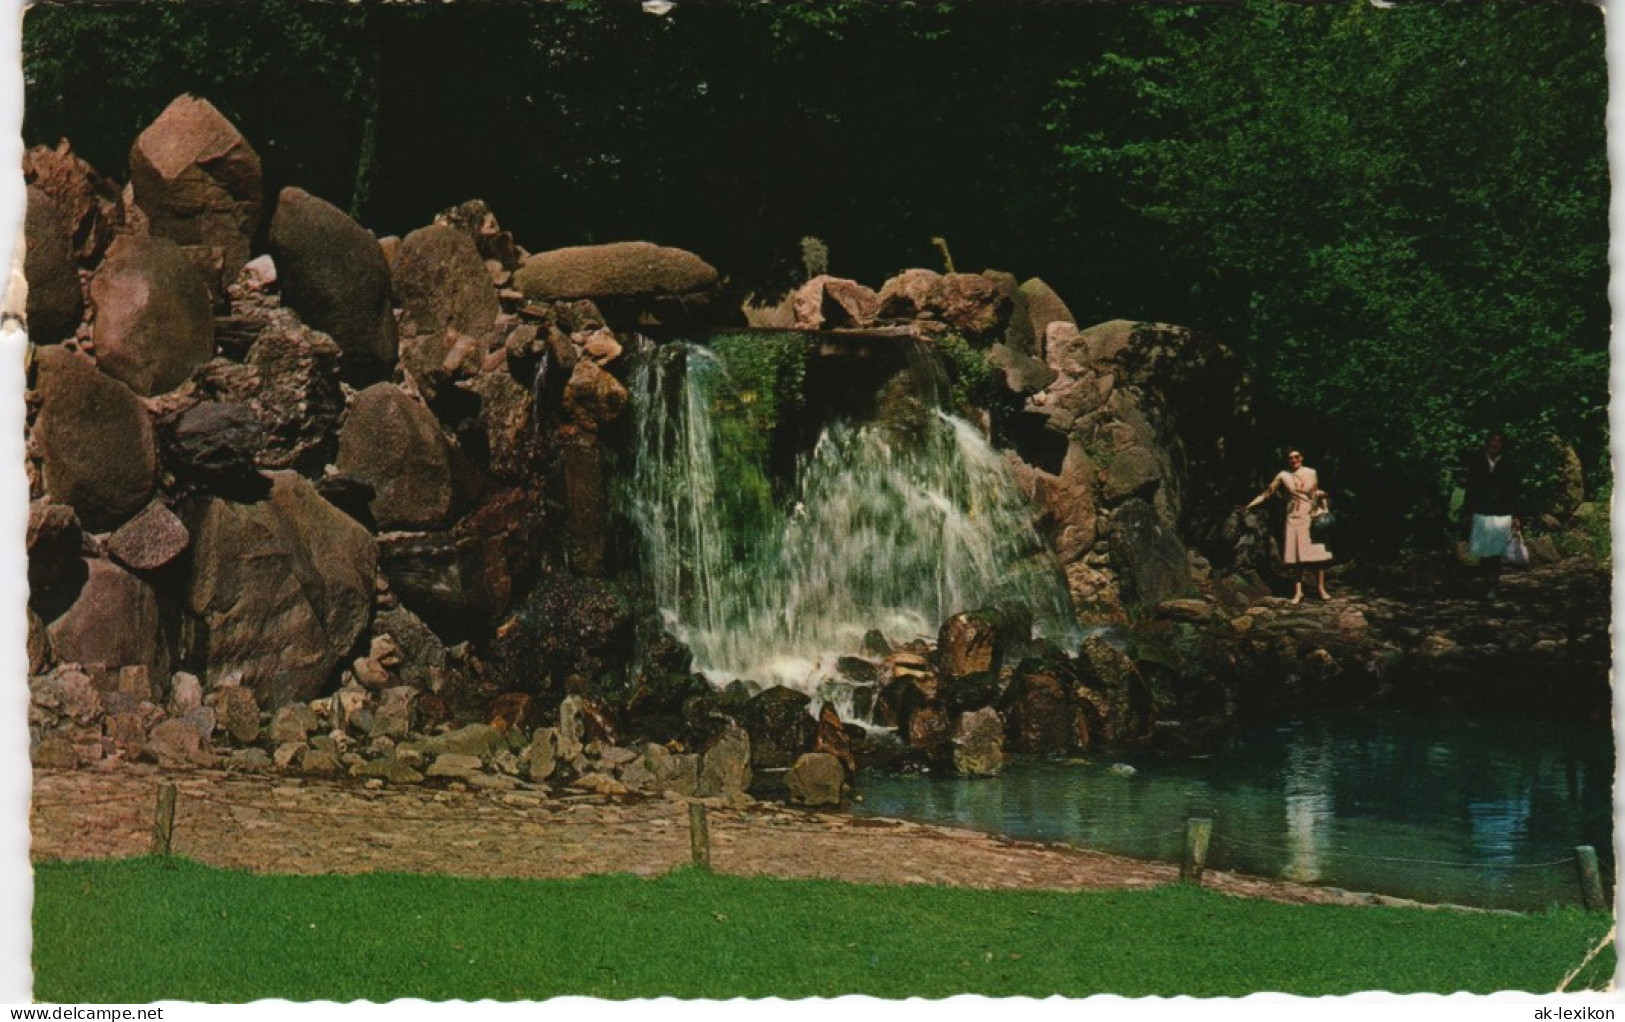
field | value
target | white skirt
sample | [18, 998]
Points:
[1490, 535]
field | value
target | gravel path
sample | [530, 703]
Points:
[300, 825]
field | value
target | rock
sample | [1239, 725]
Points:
[394, 444]
[586, 504]
[1040, 715]
[370, 673]
[725, 769]
[1193, 610]
[154, 320]
[421, 653]
[396, 713]
[979, 743]
[1044, 307]
[1023, 374]
[593, 398]
[53, 752]
[541, 756]
[1070, 521]
[55, 303]
[96, 441]
[779, 725]
[237, 712]
[56, 569]
[334, 276]
[816, 779]
[215, 443]
[40, 655]
[296, 393]
[185, 694]
[463, 581]
[452, 764]
[320, 763]
[293, 723]
[928, 732]
[442, 283]
[507, 423]
[87, 202]
[475, 219]
[566, 626]
[513, 712]
[1131, 473]
[629, 269]
[150, 540]
[114, 622]
[832, 737]
[251, 761]
[909, 295]
[1149, 558]
[972, 305]
[67, 691]
[678, 774]
[178, 743]
[1019, 336]
[599, 784]
[478, 740]
[284, 586]
[198, 182]
[389, 769]
[1112, 693]
[968, 643]
[833, 303]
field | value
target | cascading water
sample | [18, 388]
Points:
[894, 525]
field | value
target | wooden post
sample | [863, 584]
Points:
[1197, 831]
[1585, 856]
[163, 819]
[699, 836]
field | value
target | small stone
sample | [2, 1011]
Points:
[239, 713]
[288, 753]
[249, 760]
[370, 673]
[599, 784]
[135, 681]
[293, 723]
[451, 764]
[392, 770]
[385, 650]
[541, 756]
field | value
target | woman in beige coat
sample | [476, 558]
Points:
[1299, 484]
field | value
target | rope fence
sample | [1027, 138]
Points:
[1199, 836]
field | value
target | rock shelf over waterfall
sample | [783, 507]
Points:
[438, 507]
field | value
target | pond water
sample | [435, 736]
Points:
[1480, 812]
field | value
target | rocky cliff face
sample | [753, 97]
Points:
[302, 510]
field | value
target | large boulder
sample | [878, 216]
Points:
[115, 622]
[392, 442]
[55, 301]
[198, 182]
[566, 627]
[967, 303]
[586, 504]
[95, 440]
[1044, 307]
[284, 587]
[1113, 697]
[442, 283]
[830, 303]
[1150, 560]
[1038, 710]
[623, 270]
[55, 568]
[334, 275]
[779, 725]
[154, 323]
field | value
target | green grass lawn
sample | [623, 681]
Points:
[148, 929]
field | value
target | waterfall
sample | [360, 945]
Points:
[894, 524]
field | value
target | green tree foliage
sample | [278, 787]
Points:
[1400, 214]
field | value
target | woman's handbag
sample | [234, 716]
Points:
[1322, 521]
[1517, 553]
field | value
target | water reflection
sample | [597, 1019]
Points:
[1483, 812]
